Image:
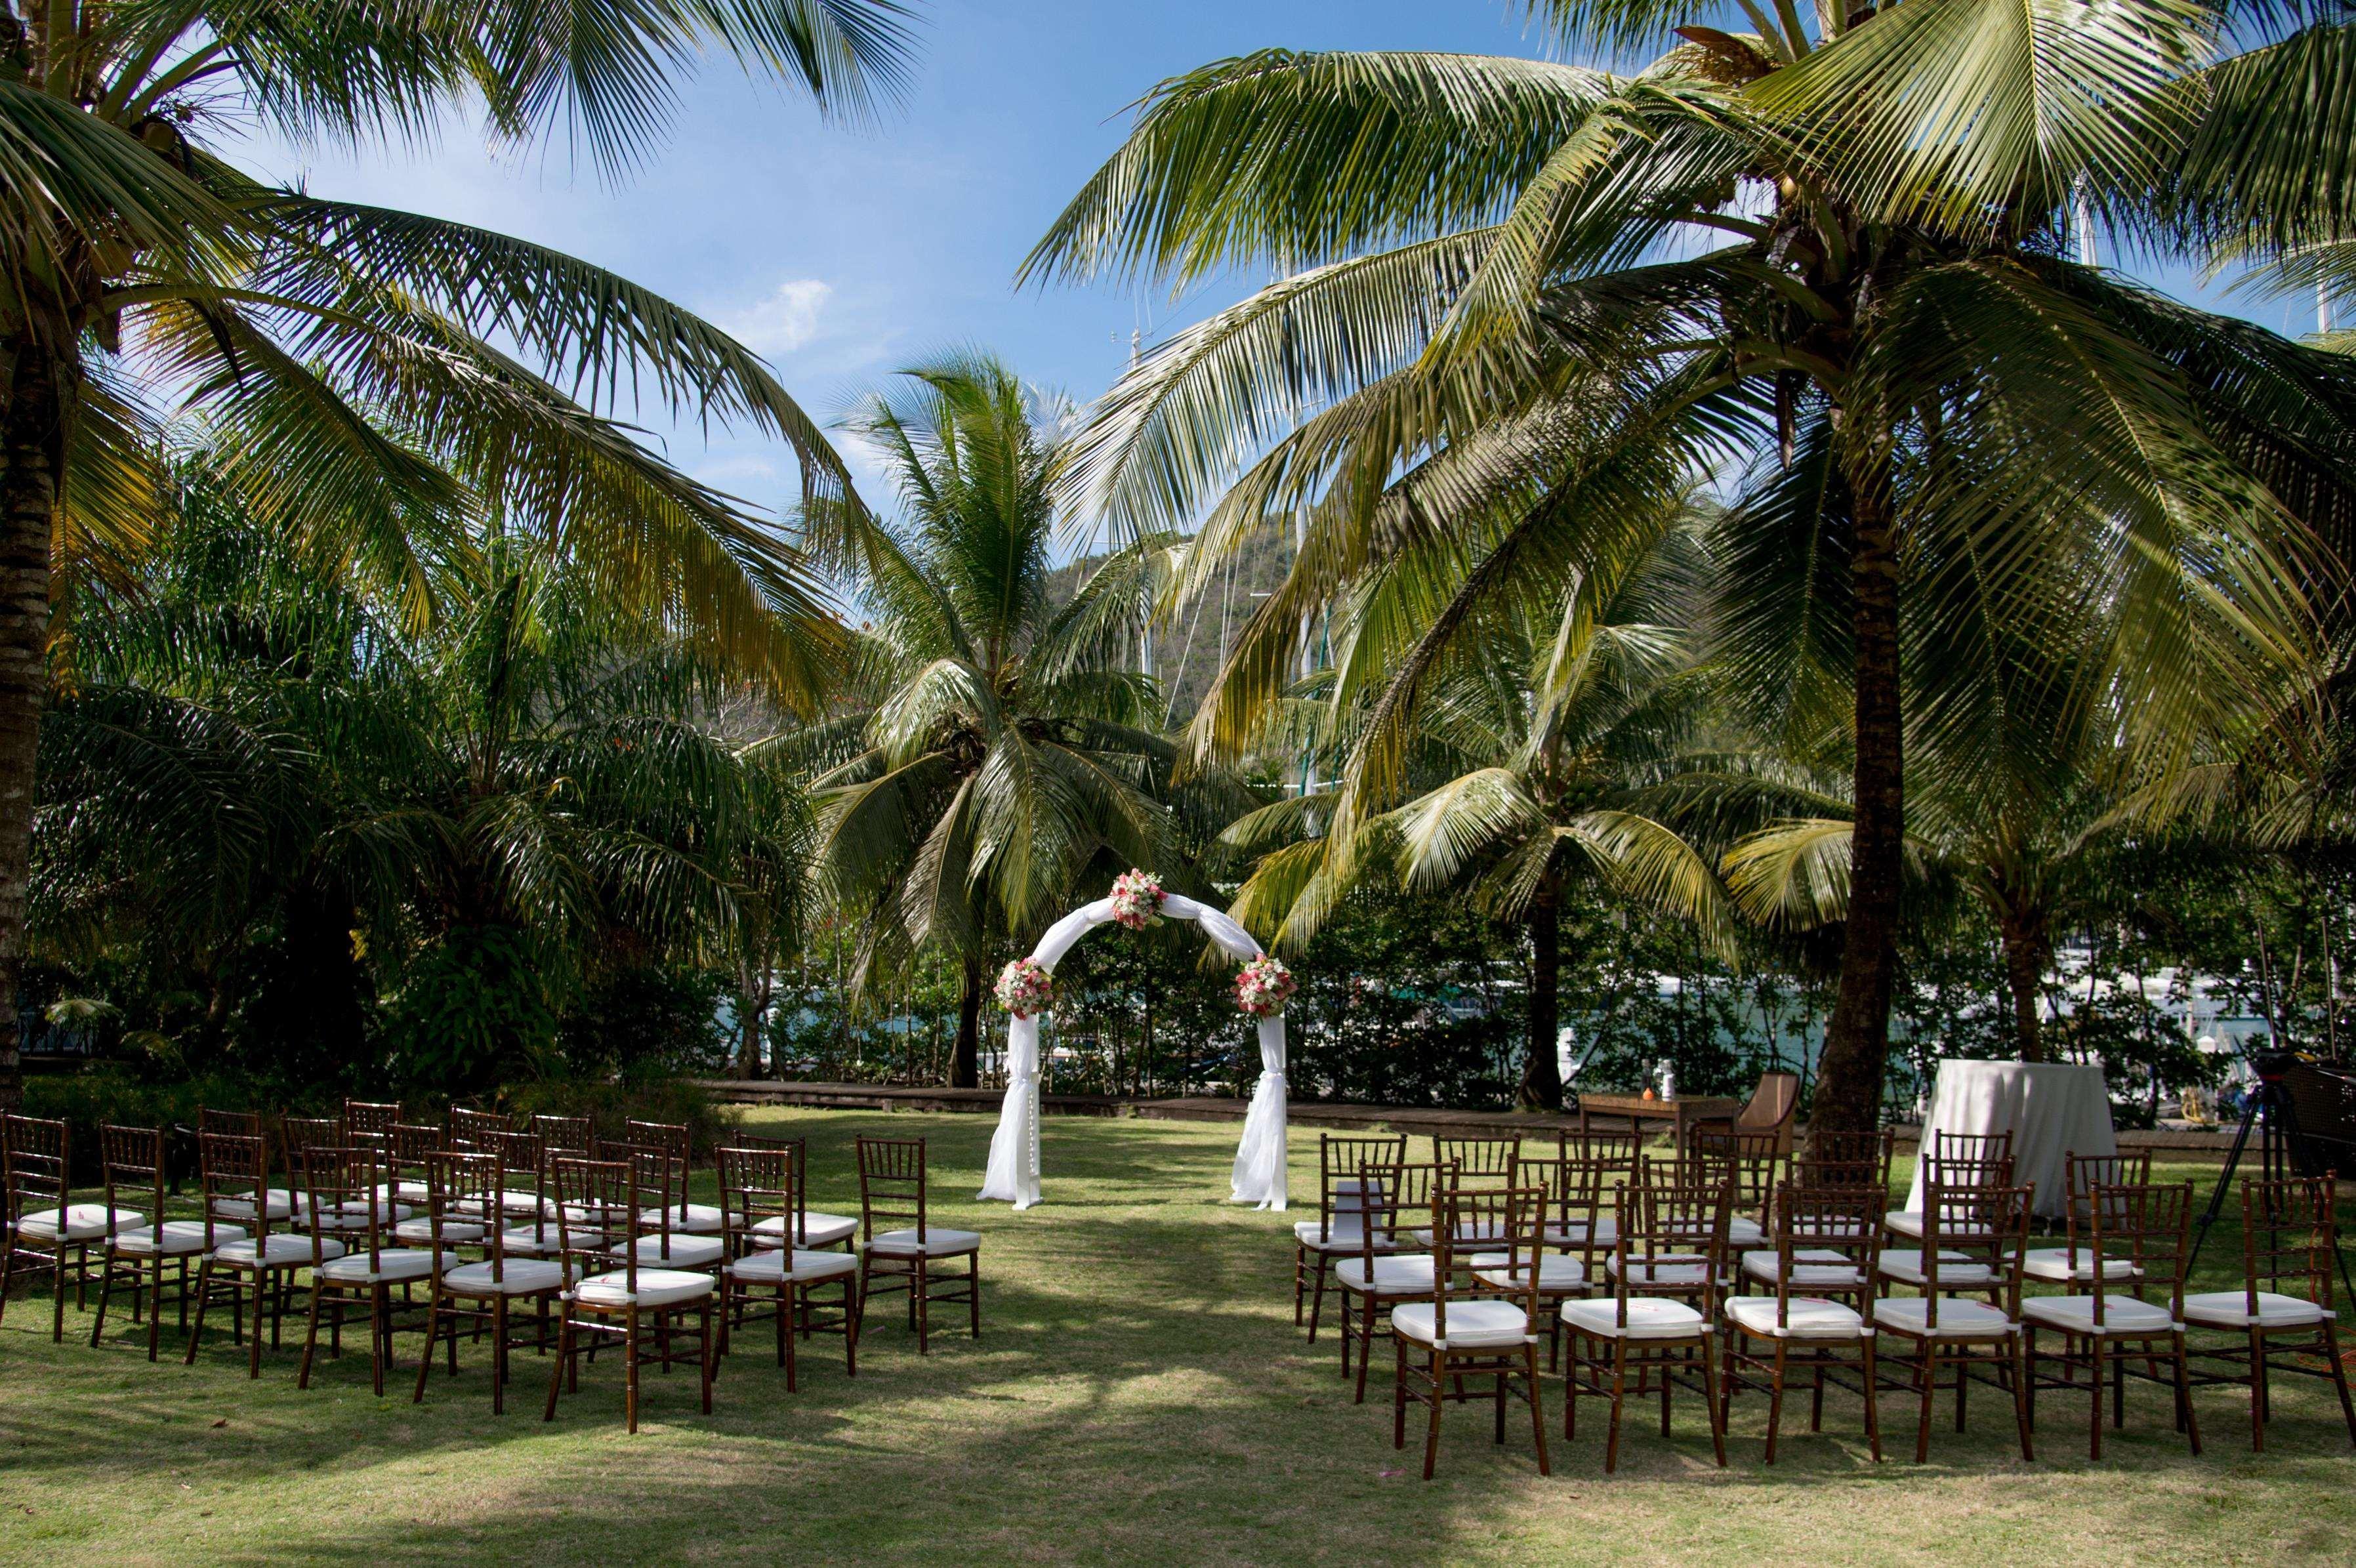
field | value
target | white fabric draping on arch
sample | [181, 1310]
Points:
[1014, 1175]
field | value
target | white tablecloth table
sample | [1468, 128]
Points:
[2052, 1109]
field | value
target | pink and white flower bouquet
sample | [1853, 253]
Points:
[1137, 899]
[1025, 989]
[1263, 986]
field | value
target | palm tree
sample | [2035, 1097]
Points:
[348, 356]
[1952, 414]
[1007, 747]
[1526, 752]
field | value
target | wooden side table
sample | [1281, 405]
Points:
[1686, 1111]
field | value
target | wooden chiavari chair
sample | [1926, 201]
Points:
[1761, 1161]
[902, 1243]
[408, 1146]
[1572, 1207]
[571, 1136]
[674, 1139]
[1942, 1328]
[49, 1232]
[758, 1187]
[364, 1118]
[347, 1192]
[2072, 1265]
[463, 1186]
[812, 1229]
[2282, 1317]
[1827, 1245]
[606, 1302]
[1846, 1159]
[1482, 1159]
[1339, 1230]
[237, 1124]
[2151, 1225]
[1687, 1211]
[1381, 1276]
[1470, 1326]
[1652, 1330]
[298, 1135]
[523, 1181]
[1955, 1161]
[259, 1263]
[661, 1240]
[470, 1126]
[139, 1254]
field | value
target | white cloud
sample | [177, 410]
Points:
[783, 322]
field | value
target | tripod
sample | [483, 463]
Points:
[2281, 1152]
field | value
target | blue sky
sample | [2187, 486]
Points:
[841, 255]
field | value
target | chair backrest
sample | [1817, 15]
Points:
[1773, 1101]
[407, 1147]
[462, 1194]
[1682, 1211]
[1984, 1147]
[365, 1116]
[2081, 1174]
[1990, 1225]
[36, 1152]
[1341, 1200]
[760, 1183]
[343, 1192]
[133, 1159]
[1845, 1221]
[596, 1202]
[1830, 1150]
[1480, 1156]
[245, 1123]
[297, 1133]
[469, 1127]
[233, 1173]
[892, 1194]
[565, 1135]
[2150, 1225]
[1484, 1222]
[671, 1137]
[1759, 1162]
[1573, 1202]
[1967, 1170]
[2289, 1235]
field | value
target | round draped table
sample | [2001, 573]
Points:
[2051, 1110]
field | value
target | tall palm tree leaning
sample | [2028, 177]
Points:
[347, 355]
[1526, 749]
[1475, 245]
[1007, 747]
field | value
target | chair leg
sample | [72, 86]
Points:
[1299, 1281]
[1399, 1395]
[1926, 1384]
[58, 1292]
[630, 1370]
[923, 1305]
[1317, 1303]
[1873, 1400]
[1775, 1402]
[155, 1303]
[788, 1310]
[2020, 1374]
[2340, 1377]
[563, 1354]
[204, 1299]
[1431, 1434]
[973, 1292]
[425, 1358]
[254, 1340]
[703, 1353]
[2257, 1390]
[1537, 1413]
[850, 1333]
[1619, 1397]
[1710, 1401]
[2184, 1399]
[2095, 1443]
[105, 1290]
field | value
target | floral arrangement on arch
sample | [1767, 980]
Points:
[1263, 986]
[1137, 899]
[1025, 989]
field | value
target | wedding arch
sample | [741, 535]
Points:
[1014, 1175]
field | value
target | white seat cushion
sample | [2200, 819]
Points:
[1677, 1270]
[2121, 1315]
[1807, 1317]
[818, 1230]
[421, 1231]
[2230, 1309]
[683, 1252]
[1401, 1274]
[770, 1268]
[1957, 1319]
[352, 1214]
[1649, 1317]
[83, 1222]
[1573, 1234]
[1556, 1273]
[1742, 1232]
[182, 1238]
[1818, 1268]
[1471, 1325]
[546, 1243]
[1957, 1270]
[517, 1276]
[1909, 1222]
[657, 1288]
[2064, 1265]
[410, 1192]
[393, 1264]
[281, 1250]
[695, 1218]
[510, 1202]
[937, 1243]
[1472, 1235]
[280, 1203]
[1347, 1235]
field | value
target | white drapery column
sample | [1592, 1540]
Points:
[1259, 1174]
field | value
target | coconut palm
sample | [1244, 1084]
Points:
[1837, 247]
[1007, 749]
[1526, 752]
[378, 380]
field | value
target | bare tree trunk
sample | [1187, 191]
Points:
[32, 445]
[2024, 972]
[1856, 1040]
[1541, 1085]
[965, 1065]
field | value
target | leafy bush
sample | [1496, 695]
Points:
[646, 1022]
[609, 1105]
[471, 1010]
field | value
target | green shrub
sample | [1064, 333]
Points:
[609, 1105]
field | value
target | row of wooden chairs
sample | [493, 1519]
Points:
[1649, 1265]
[483, 1218]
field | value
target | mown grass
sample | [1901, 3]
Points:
[1140, 1395]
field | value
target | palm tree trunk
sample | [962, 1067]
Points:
[2024, 970]
[32, 445]
[1541, 1086]
[965, 1065]
[1856, 1039]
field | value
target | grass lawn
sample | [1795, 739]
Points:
[1140, 1394]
